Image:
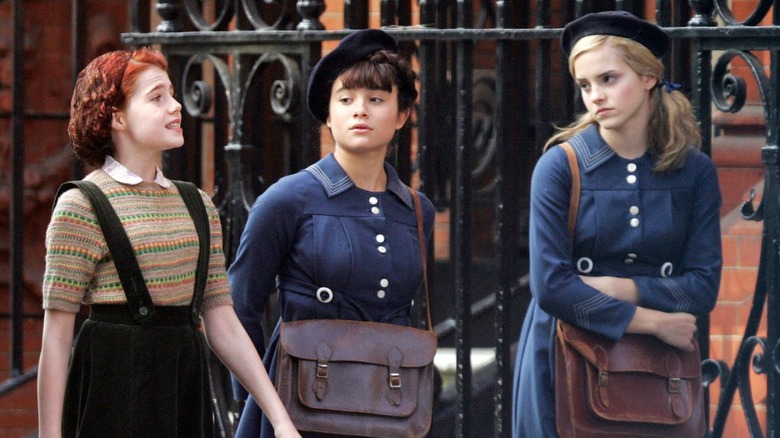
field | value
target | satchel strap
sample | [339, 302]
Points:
[423, 253]
[574, 203]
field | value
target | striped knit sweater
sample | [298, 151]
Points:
[79, 267]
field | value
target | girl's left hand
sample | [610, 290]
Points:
[287, 431]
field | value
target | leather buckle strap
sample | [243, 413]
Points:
[324, 352]
[603, 378]
[675, 385]
[394, 360]
[395, 380]
[322, 370]
[602, 358]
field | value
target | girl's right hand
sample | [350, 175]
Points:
[677, 329]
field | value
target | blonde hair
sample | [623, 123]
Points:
[672, 126]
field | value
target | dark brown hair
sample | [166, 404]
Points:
[102, 88]
[381, 71]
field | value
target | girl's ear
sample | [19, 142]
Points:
[118, 120]
[401, 119]
[649, 82]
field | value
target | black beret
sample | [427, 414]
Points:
[353, 48]
[618, 23]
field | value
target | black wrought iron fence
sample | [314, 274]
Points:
[493, 84]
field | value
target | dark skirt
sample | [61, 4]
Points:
[128, 380]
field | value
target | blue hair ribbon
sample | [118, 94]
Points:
[669, 86]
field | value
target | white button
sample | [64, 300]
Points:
[631, 179]
[634, 210]
[373, 200]
[634, 222]
[380, 238]
[381, 249]
[375, 210]
[380, 294]
[384, 283]
[629, 261]
[631, 255]
[631, 167]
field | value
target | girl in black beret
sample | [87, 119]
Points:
[338, 239]
[645, 256]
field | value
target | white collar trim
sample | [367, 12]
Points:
[122, 174]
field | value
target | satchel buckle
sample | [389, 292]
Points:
[675, 385]
[603, 378]
[322, 371]
[395, 380]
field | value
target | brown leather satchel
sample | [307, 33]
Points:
[636, 387]
[359, 378]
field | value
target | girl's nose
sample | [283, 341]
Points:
[596, 94]
[360, 108]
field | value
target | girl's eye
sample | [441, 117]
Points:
[377, 99]
[583, 86]
[344, 99]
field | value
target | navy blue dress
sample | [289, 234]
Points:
[660, 229]
[317, 229]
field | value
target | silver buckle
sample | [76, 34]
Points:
[395, 380]
[328, 295]
[322, 371]
[675, 385]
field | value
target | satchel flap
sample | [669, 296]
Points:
[634, 353]
[347, 341]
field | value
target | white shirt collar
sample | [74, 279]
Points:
[122, 174]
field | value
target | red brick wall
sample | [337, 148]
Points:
[737, 153]
[741, 251]
[18, 409]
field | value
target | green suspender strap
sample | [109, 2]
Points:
[130, 275]
[191, 196]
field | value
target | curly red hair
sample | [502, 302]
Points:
[102, 88]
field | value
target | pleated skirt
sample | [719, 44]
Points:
[129, 380]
